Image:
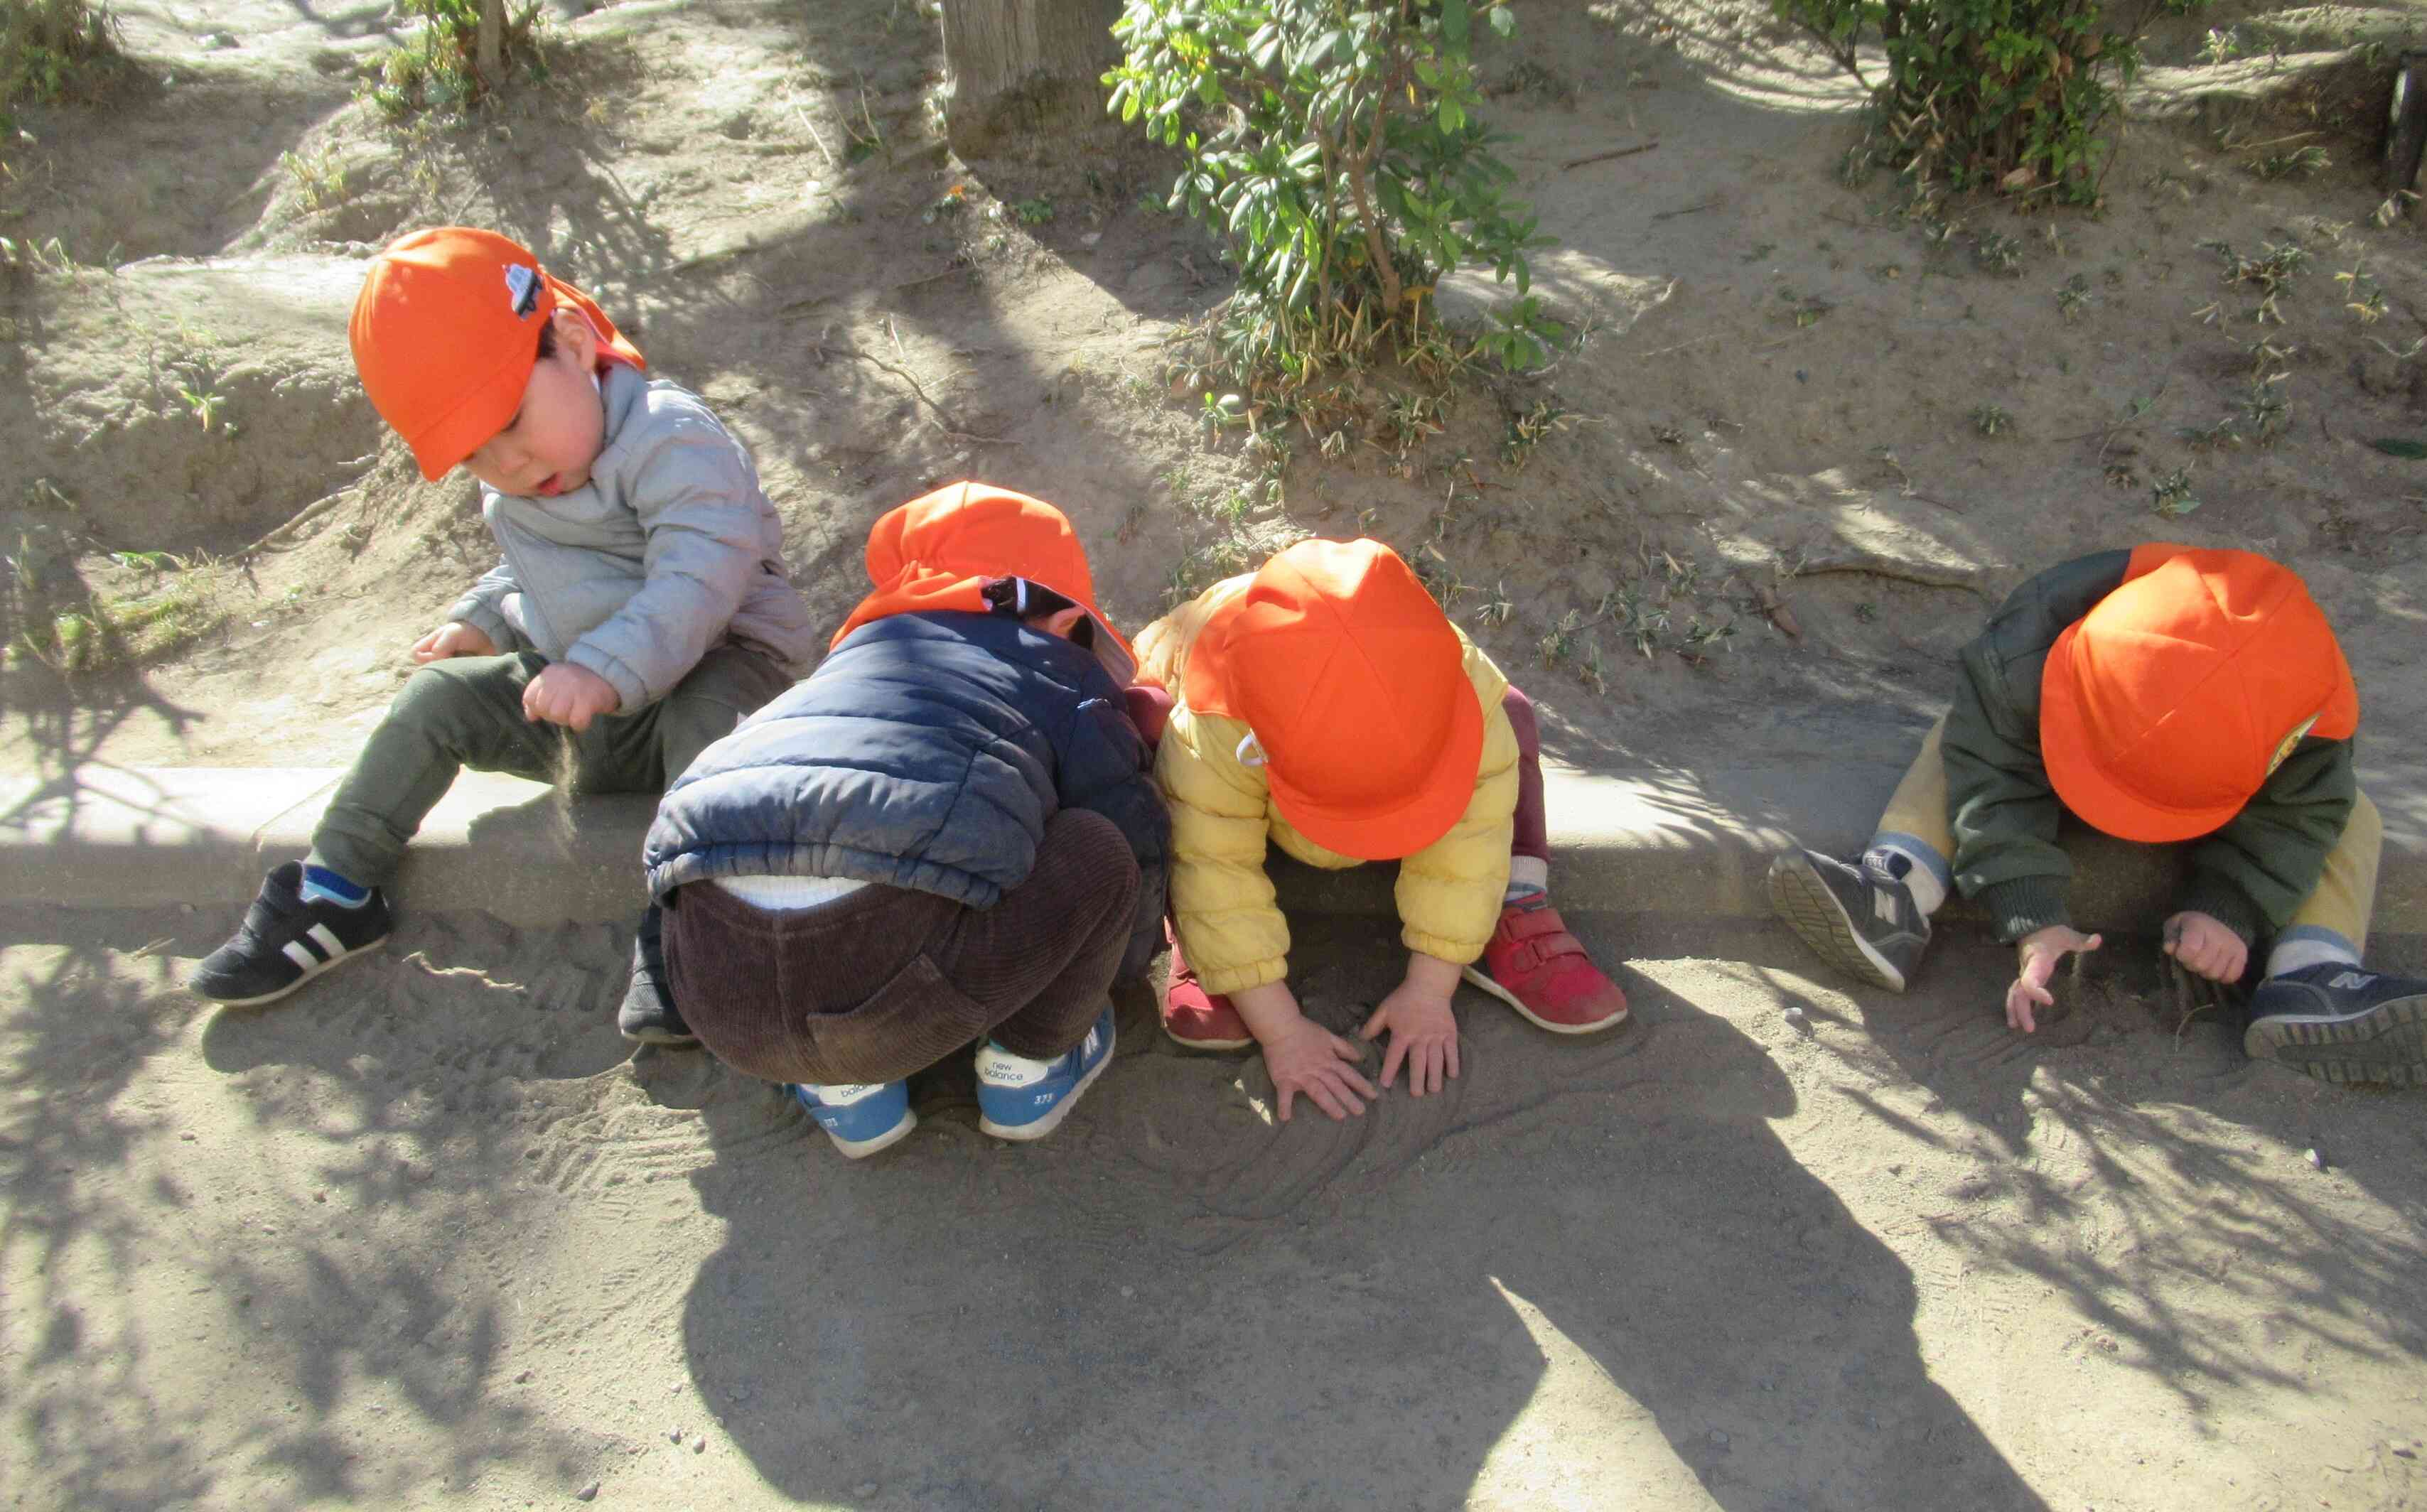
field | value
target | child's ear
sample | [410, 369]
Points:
[576, 336]
[1062, 621]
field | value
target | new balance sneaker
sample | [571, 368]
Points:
[648, 1014]
[1861, 918]
[1536, 967]
[1194, 1018]
[285, 941]
[861, 1117]
[1022, 1100]
[2342, 1023]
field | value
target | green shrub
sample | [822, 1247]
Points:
[48, 46]
[1334, 145]
[2010, 93]
[437, 70]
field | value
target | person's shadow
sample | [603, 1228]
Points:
[1589, 1271]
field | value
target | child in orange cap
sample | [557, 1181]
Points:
[640, 611]
[1326, 703]
[949, 833]
[2162, 694]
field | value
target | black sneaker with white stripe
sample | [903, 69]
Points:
[2342, 1023]
[1861, 918]
[286, 941]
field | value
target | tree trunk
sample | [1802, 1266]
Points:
[489, 51]
[1024, 69]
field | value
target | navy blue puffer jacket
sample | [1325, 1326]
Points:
[926, 752]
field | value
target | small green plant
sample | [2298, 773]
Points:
[1035, 212]
[438, 67]
[48, 50]
[2073, 296]
[1338, 151]
[1990, 421]
[2363, 299]
[2302, 162]
[2007, 94]
[1526, 430]
[1804, 310]
[2171, 494]
[1996, 252]
[320, 178]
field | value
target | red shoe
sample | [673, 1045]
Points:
[1536, 967]
[1193, 1016]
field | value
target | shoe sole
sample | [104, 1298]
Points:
[2386, 1045]
[860, 1150]
[660, 1036]
[309, 972]
[1022, 1133]
[1800, 898]
[1206, 1044]
[1536, 1019]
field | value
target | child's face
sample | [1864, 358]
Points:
[548, 448]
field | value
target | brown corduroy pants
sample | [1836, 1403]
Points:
[885, 981]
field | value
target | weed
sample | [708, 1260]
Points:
[1990, 419]
[2171, 494]
[50, 49]
[1996, 252]
[1035, 212]
[2073, 296]
[1866, 612]
[2272, 273]
[2268, 411]
[1758, 250]
[2365, 301]
[438, 67]
[319, 179]
[951, 203]
[1804, 310]
[2302, 162]
[1526, 430]
[1499, 606]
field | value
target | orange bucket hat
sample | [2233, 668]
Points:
[445, 332]
[1356, 688]
[2164, 708]
[976, 548]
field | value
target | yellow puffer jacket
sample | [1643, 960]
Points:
[1449, 893]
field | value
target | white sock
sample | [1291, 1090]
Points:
[1528, 875]
[2308, 950]
[1917, 872]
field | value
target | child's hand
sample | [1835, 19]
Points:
[452, 639]
[2041, 950]
[571, 696]
[1313, 1060]
[2205, 947]
[1424, 1032]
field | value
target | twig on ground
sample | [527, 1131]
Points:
[940, 414]
[1910, 572]
[812, 130]
[1711, 203]
[1603, 157]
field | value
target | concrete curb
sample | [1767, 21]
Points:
[1673, 843]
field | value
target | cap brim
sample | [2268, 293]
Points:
[1119, 657]
[2082, 785]
[1404, 828]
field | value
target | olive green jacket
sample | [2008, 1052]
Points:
[2252, 875]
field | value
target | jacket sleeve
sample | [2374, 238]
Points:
[696, 499]
[483, 608]
[1450, 892]
[1106, 769]
[1222, 901]
[2253, 875]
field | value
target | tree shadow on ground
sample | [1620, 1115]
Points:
[1586, 1266]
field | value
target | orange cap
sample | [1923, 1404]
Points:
[1356, 688]
[946, 549]
[446, 332]
[2164, 708]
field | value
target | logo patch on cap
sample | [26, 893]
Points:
[522, 288]
[2284, 748]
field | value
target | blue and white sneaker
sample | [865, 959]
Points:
[1021, 1099]
[861, 1117]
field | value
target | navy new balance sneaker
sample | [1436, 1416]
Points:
[1022, 1100]
[1861, 918]
[2342, 1023]
[861, 1117]
[285, 941]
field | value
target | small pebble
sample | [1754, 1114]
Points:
[676, 1433]
[524, 1379]
[588, 1493]
[867, 1489]
[187, 1137]
[1720, 1437]
[2315, 1159]
[699, 1445]
[1795, 1015]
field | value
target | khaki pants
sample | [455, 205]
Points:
[2336, 912]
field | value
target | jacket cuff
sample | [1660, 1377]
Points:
[2218, 896]
[480, 616]
[2023, 905]
[1457, 953]
[1222, 981]
[628, 685]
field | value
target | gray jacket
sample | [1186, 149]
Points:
[669, 549]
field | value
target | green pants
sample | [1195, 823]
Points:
[468, 711]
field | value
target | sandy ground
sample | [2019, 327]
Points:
[428, 1235]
